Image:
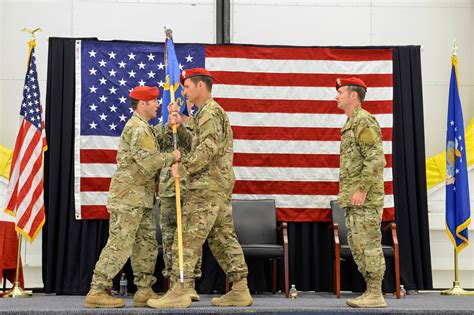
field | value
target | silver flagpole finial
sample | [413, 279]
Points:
[168, 32]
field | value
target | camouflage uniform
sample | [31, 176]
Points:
[361, 168]
[167, 194]
[207, 211]
[132, 231]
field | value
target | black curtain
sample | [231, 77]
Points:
[409, 170]
[71, 248]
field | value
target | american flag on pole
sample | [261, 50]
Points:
[25, 188]
[281, 105]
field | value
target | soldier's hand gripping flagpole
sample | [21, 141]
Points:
[169, 36]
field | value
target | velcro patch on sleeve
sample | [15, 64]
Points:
[148, 142]
[368, 136]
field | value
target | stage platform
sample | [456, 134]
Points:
[307, 303]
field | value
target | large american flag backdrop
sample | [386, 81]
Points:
[280, 101]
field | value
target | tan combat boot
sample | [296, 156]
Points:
[192, 292]
[99, 298]
[194, 295]
[360, 296]
[373, 298]
[238, 296]
[176, 297]
[363, 295]
[142, 296]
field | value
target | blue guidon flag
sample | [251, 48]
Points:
[172, 72]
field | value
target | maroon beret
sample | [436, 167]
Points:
[189, 73]
[350, 81]
[145, 93]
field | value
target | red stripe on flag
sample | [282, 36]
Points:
[291, 160]
[95, 183]
[38, 221]
[98, 156]
[388, 214]
[296, 53]
[94, 212]
[296, 106]
[303, 215]
[296, 79]
[286, 160]
[319, 215]
[388, 188]
[262, 187]
[294, 133]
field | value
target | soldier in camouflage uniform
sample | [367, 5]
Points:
[207, 211]
[132, 231]
[361, 188]
[167, 195]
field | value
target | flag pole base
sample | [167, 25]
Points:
[18, 292]
[457, 291]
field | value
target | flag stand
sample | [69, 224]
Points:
[16, 291]
[456, 289]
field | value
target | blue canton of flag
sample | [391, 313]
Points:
[173, 71]
[30, 105]
[110, 70]
[457, 187]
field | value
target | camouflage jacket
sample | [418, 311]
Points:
[138, 160]
[164, 136]
[361, 160]
[208, 165]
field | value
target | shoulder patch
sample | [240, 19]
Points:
[368, 136]
[148, 142]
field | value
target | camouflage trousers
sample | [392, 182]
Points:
[132, 233]
[168, 230]
[208, 215]
[364, 238]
